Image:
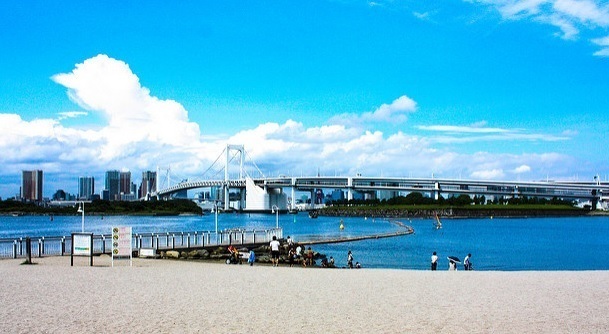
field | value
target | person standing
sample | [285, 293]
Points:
[290, 241]
[275, 251]
[350, 260]
[434, 261]
[467, 264]
[252, 258]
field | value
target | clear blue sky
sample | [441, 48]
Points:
[473, 89]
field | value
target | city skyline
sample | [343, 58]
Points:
[490, 90]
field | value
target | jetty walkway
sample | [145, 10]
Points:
[406, 230]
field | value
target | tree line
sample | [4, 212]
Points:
[416, 198]
[172, 207]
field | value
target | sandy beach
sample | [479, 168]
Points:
[164, 296]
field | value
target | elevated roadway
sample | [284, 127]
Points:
[432, 186]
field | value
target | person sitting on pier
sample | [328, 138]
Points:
[292, 256]
[234, 253]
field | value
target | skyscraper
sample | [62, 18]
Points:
[31, 185]
[113, 184]
[125, 183]
[86, 187]
[148, 183]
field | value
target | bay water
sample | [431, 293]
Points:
[507, 244]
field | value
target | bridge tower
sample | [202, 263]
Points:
[241, 150]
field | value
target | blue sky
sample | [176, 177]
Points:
[509, 90]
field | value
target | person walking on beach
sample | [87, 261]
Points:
[275, 251]
[467, 264]
[434, 261]
[350, 260]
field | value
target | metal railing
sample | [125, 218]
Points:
[102, 243]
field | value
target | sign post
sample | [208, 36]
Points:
[121, 243]
[82, 245]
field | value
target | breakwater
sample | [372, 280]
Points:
[450, 212]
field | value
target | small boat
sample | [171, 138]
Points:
[313, 214]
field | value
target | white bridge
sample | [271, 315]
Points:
[264, 193]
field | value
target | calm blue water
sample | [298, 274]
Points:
[580, 243]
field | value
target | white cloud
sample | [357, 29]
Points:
[492, 174]
[71, 114]
[461, 129]
[421, 16]
[522, 169]
[571, 17]
[583, 11]
[107, 86]
[515, 9]
[479, 132]
[396, 112]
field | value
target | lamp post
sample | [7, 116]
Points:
[275, 210]
[216, 212]
[81, 209]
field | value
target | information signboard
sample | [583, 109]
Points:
[121, 243]
[82, 245]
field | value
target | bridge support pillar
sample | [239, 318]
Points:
[436, 192]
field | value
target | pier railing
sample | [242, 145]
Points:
[102, 243]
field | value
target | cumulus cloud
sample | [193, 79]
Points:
[522, 169]
[395, 112]
[108, 86]
[492, 174]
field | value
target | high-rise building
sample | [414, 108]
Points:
[148, 183]
[113, 185]
[125, 183]
[31, 185]
[86, 187]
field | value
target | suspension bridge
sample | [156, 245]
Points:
[234, 170]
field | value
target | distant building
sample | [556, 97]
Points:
[105, 195]
[125, 182]
[61, 195]
[31, 185]
[112, 184]
[148, 184]
[119, 186]
[86, 187]
[337, 195]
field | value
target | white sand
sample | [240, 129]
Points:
[163, 296]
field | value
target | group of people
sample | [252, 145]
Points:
[295, 254]
[452, 262]
[298, 253]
